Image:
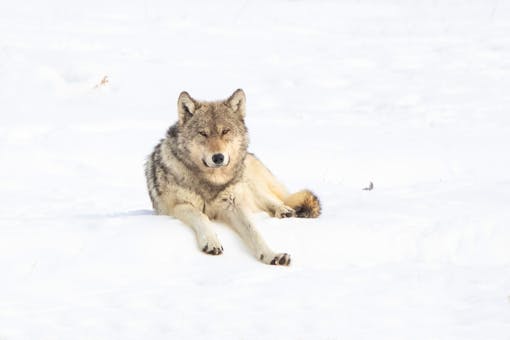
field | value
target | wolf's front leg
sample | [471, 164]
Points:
[207, 239]
[237, 218]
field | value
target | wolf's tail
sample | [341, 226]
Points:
[305, 203]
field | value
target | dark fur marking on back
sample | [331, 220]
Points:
[159, 161]
[154, 173]
[172, 131]
[165, 169]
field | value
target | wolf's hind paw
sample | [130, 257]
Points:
[284, 212]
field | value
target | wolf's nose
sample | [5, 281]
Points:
[218, 158]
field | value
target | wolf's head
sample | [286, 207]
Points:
[213, 135]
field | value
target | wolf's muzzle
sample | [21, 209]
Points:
[217, 160]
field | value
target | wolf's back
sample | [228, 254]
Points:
[151, 175]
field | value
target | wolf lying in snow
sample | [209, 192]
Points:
[202, 171]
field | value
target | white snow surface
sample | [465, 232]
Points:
[410, 95]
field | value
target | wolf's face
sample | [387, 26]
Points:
[213, 134]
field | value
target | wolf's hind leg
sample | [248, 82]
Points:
[302, 204]
[266, 191]
[270, 201]
[272, 196]
[207, 239]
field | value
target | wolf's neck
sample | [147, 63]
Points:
[211, 185]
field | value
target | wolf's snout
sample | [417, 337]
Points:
[218, 158]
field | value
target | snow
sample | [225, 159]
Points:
[410, 95]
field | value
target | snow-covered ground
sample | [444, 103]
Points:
[411, 95]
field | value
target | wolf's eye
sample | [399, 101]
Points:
[225, 131]
[203, 133]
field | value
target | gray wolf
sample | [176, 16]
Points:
[201, 171]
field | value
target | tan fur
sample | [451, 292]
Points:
[185, 182]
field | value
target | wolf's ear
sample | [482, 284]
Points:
[237, 102]
[185, 106]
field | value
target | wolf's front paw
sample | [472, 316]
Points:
[284, 211]
[211, 245]
[213, 250]
[281, 259]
